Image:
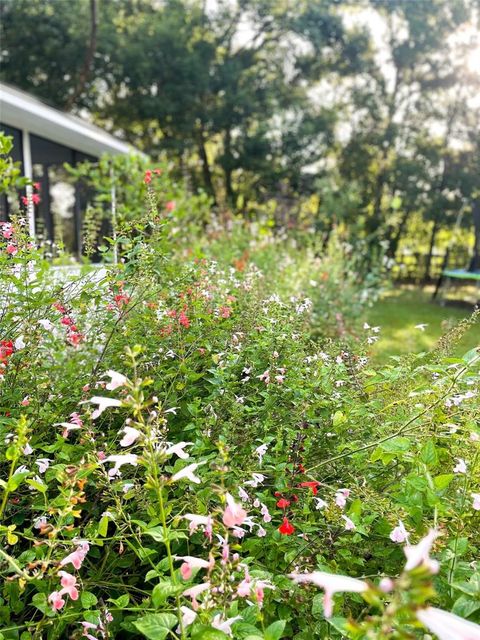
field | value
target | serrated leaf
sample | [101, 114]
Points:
[155, 626]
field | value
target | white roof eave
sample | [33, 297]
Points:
[19, 110]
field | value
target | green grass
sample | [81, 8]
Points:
[400, 310]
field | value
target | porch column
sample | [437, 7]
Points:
[28, 172]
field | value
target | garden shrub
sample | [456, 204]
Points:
[196, 442]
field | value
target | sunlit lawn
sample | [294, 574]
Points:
[400, 310]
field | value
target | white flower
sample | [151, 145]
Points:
[448, 626]
[188, 617]
[331, 584]
[46, 324]
[243, 495]
[187, 472]
[27, 449]
[19, 343]
[418, 554]
[461, 466]
[261, 451]
[178, 450]
[349, 524]
[103, 403]
[320, 504]
[476, 501]
[421, 327]
[258, 478]
[117, 380]
[131, 435]
[399, 534]
[120, 460]
[42, 464]
[224, 625]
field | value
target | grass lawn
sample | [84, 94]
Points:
[401, 309]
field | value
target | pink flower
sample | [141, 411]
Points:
[195, 521]
[69, 584]
[170, 205]
[265, 513]
[190, 563]
[448, 626]
[12, 249]
[419, 554]
[341, 497]
[234, 514]
[195, 591]
[77, 557]
[461, 466]
[331, 584]
[399, 534]
[476, 501]
[56, 600]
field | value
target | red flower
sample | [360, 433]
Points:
[157, 171]
[301, 468]
[24, 200]
[283, 503]
[148, 176]
[121, 299]
[184, 321]
[170, 206]
[295, 497]
[312, 485]
[36, 198]
[12, 249]
[286, 527]
[36, 186]
[277, 494]
[6, 350]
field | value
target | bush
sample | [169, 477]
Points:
[192, 432]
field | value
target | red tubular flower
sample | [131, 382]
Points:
[312, 485]
[36, 198]
[148, 176]
[286, 528]
[6, 350]
[283, 503]
[184, 321]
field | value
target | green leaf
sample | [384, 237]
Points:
[158, 535]
[442, 481]
[164, 590]
[121, 602]
[428, 454]
[275, 630]
[464, 606]
[208, 633]
[103, 526]
[155, 626]
[39, 601]
[88, 599]
[37, 485]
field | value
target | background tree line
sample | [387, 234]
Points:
[358, 113]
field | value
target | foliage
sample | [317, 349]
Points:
[177, 445]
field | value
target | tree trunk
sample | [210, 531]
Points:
[227, 169]
[430, 250]
[87, 65]
[475, 264]
[395, 241]
[207, 176]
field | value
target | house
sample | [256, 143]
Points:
[44, 139]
